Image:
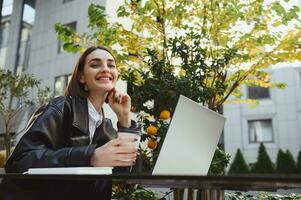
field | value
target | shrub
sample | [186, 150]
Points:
[299, 162]
[290, 163]
[280, 162]
[285, 163]
[263, 164]
[239, 165]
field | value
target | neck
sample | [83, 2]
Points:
[97, 101]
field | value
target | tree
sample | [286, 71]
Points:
[280, 163]
[239, 165]
[299, 162]
[263, 164]
[195, 48]
[13, 88]
[285, 163]
[291, 163]
[158, 24]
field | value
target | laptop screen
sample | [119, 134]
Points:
[190, 141]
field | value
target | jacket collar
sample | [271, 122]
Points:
[80, 114]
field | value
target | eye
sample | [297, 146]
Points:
[111, 65]
[94, 65]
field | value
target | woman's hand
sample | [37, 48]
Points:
[121, 105]
[117, 152]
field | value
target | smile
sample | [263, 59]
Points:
[102, 78]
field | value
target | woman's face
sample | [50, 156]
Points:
[100, 72]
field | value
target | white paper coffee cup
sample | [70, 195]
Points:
[128, 134]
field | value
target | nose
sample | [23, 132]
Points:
[105, 67]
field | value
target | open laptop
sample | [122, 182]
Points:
[190, 141]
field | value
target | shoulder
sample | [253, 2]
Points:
[52, 111]
[57, 104]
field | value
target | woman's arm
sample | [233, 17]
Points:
[44, 145]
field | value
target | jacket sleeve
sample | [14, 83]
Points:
[44, 145]
[134, 128]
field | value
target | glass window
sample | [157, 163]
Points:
[71, 25]
[256, 92]
[7, 7]
[6, 11]
[27, 24]
[260, 131]
[60, 84]
[66, 1]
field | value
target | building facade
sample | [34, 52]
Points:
[276, 121]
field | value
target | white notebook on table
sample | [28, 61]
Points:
[71, 170]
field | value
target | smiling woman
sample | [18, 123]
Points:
[100, 73]
[72, 131]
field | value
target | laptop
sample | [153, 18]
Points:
[190, 141]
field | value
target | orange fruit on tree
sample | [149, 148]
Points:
[152, 130]
[164, 115]
[152, 144]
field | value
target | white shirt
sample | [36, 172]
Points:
[95, 119]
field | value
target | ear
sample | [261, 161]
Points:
[82, 78]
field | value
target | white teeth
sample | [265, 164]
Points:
[103, 78]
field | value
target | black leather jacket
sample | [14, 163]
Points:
[58, 136]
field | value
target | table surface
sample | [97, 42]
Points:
[237, 182]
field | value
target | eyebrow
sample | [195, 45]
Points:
[98, 59]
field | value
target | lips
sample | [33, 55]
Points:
[104, 78]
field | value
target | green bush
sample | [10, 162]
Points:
[299, 162]
[280, 162]
[290, 163]
[263, 164]
[239, 165]
[219, 162]
[285, 163]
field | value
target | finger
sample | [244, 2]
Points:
[116, 141]
[128, 139]
[119, 99]
[124, 141]
[123, 163]
[126, 149]
[125, 98]
[116, 96]
[111, 95]
[126, 157]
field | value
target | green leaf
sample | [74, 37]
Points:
[121, 12]
[71, 47]
[96, 16]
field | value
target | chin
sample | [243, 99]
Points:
[107, 88]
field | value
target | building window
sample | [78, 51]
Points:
[260, 131]
[256, 92]
[67, 1]
[6, 12]
[27, 24]
[60, 84]
[7, 8]
[72, 26]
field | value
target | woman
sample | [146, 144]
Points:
[72, 130]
